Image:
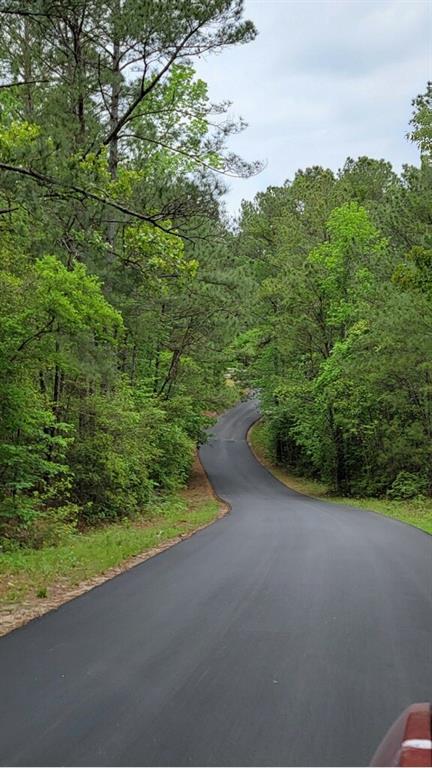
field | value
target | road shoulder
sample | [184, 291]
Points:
[34, 582]
[415, 512]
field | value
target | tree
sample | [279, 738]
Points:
[117, 280]
[339, 337]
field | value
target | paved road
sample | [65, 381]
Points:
[292, 632]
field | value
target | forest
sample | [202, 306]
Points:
[341, 341]
[127, 295]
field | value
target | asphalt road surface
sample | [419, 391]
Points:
[292, 632]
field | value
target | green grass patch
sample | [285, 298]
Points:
[417, 512]
[28, 573]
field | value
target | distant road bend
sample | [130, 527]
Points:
[292, 632]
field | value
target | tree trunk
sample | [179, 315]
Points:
[113, 157]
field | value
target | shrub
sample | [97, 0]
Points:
[407, 485]
[132, 450]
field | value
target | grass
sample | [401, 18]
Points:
[30, 574]
[417, 512]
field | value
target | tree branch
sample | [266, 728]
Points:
[45, 329]
[22, 82]
[145, 90]
[50, 181]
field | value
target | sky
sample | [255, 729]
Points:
[323, 80]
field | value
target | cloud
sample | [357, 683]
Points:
[323, 81]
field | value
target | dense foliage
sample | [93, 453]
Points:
[340, 339]
[118, 287]
[125, 297]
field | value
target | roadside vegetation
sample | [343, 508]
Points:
[339, 343]
[132, 309]
[415, 511]
[35, 580]
[30, 571]
[119, 293]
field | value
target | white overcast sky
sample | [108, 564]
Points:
[323, 80]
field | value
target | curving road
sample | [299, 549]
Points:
[292, 632]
